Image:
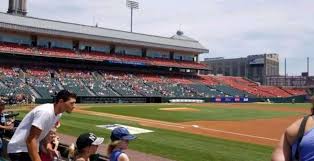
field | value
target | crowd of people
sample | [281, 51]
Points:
[35, 138]
[44, 82]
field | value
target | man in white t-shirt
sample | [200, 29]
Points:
[24, 144]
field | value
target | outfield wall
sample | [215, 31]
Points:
[295, 99]
[91, 99]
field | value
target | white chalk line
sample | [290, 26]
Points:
[130, 118]
[239, 134]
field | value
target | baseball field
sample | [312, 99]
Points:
[190, 132]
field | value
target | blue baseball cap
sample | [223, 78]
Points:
[121, 133]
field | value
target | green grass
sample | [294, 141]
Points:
[208, 112]
[287, 105]
[178, 145]
[170, 144]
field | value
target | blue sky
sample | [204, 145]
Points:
[228, 29]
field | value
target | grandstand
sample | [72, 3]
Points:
[40, 57]
[115, 83]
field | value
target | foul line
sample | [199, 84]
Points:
[130, 118]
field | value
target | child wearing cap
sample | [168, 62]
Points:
[120, 138]
[87, 145]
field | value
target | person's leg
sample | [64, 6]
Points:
[19, 156]
[14, 156]
[26, 157]
[1, 149]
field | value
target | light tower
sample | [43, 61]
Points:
[17, 7]
[132, 5]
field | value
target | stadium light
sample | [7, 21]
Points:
[132, 5]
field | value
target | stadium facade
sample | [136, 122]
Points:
[291, 81]
[47, 33]
[254, 67]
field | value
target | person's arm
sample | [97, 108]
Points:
[56, 142]
[283, 150]
[9, 127]
[51, 151]
[39, 124]
[31, 143]
[123, 157]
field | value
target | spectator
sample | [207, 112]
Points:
[4, 126]
[87, 145]
[36, 125]
[49, 145]
[295, 143]
[120, 138]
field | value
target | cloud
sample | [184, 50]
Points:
[230, 29]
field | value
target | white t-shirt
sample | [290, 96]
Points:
[42, 117]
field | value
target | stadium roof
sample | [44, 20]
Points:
[180, 36]
[50, 27]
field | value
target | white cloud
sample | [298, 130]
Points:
[234, 28]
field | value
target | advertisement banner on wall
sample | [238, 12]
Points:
[245, 99]
[257, 61]
[228, 99]
[218, 99]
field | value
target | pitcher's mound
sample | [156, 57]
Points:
[180, 109]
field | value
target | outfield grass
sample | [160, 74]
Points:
[210, 112]
[286, 105]
[170, 144]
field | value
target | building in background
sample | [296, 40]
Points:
[302, 81]
[254, 67]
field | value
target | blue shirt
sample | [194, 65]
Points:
[306, 146]
[115, 155]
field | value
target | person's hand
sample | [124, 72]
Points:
[9, 122]
[56, 153]
[10, 127]
[56, 140]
